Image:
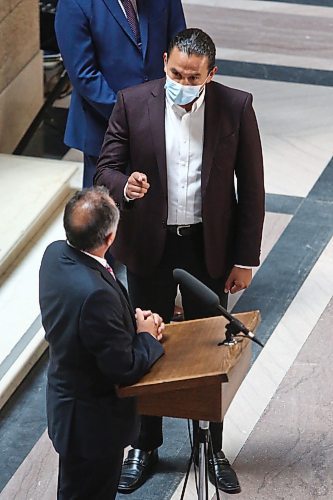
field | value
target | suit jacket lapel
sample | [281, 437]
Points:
[213, 116]
[143, 12]
[128, 302]
[120, 289]
[156, 111]
[119, 16]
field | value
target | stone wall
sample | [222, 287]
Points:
[21, 70]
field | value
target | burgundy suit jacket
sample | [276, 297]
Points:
[232, 217]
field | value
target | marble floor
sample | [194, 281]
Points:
[278, 427]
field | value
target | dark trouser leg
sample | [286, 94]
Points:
[151, 433]
[156, 293]
[83, 479]
[194, 310]
[216, 429]
[89, 169]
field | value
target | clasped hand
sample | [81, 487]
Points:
[147, 321]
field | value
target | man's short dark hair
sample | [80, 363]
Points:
[194, 41]
[89, 217]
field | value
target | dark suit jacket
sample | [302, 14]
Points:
[91, 331]
[232, 220]
[101, 57]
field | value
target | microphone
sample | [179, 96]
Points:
[210, 300]
[207, 297]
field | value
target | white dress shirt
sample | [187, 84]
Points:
[184, 135]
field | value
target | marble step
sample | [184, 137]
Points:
[33, 193]
[30, 190]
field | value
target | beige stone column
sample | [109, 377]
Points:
[21, 70]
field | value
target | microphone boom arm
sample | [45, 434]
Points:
[234, 327]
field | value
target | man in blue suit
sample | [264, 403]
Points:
[108, 45]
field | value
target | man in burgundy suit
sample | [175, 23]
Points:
[170, 157]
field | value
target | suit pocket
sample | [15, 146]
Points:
[229, 137]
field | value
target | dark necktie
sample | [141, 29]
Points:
[132, 19]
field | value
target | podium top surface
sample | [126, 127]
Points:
[192, 355]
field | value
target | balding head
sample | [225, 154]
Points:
[90, 217]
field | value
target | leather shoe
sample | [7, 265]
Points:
[136, 469]
[226, 477]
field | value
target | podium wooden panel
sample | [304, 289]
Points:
[195, 378]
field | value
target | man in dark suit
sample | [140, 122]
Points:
[170, 157]
[108, 45]
[96, 343]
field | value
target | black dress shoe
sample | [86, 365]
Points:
[136, 469]
[225, 475]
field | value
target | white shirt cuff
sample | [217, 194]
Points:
[126, 197]
[243, 267]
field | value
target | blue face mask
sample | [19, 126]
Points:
[181, 94]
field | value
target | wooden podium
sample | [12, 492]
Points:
[196, 378]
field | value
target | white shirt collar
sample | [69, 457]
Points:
[96, 257]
